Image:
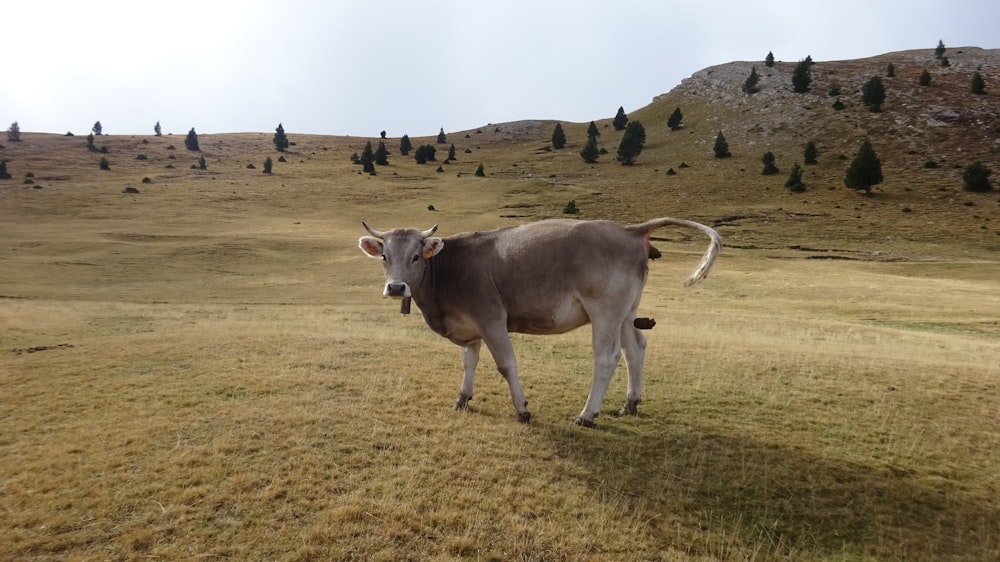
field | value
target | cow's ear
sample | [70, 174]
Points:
[371, 246]
[432, 246]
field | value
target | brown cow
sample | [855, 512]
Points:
[547, 277]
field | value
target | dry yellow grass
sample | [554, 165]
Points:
[206, 370]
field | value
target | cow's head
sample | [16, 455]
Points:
[404, 252]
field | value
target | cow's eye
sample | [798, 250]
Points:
[415, 258]
[385, 259]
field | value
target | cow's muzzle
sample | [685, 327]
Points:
[397, 290]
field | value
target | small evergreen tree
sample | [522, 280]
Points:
[873, 94]
[451, 154]
[97, 128]
[945, 63]
[104, 164]
[202, 164]
[441, 137]
[865, 170]
[978, 84]
[267, 165]
[674, 121]
[890, 70]
[382, 134]
[424, 154]
[769, 166]
[381, 154]
[570, 208]
[621, 120]
[769, 59]
[810, 153]
[976, 178]
[592, 132]
[368, 159]
[480, 171]
[157, 130]
[558, 137]
[405, 146]
[802, 75]
[280, 140]
[4, 174]
[14, 132]
[925, 78]
[794, 182]
[631, 143]
[721, 147]
[939, 51]
[590, 151]
[90, 143]
[191, 142]
[750, 85]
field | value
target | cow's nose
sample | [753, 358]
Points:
[396, 289]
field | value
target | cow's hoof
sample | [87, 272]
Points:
[584, 422]
[631, 408]
[463, 402]
[524, 417]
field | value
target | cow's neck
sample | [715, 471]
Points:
[424, 296]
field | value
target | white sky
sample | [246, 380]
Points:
[357, 67]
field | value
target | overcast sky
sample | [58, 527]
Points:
[357, 67]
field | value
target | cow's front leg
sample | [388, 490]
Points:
[503, 354]
[470, 358]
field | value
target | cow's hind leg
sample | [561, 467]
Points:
[470, 359]
[502, 350]
[607, 350]
[634, 351]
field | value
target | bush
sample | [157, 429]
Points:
[480, 172]
[976, 177]
[105, 165]
[570, 208]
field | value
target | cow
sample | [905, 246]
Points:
[545, 277]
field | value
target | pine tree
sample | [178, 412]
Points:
[280, 140]
[480, 171]
[381, 154]
[97, 128]
[621, 120]
[104, 164]
[631, 144]
[873, 94]
[592, 132]
[794, 182]
[978, 84]
[267, 165]
[769, 167]
[925, 78]
[810, 153]
[674, 121]
[451, 154]
[424, 153]
[802, 75]
[4, 174]
[939, 51]
[156, 129]
[590, 151]
[368, 159]
[558, 137]
[90, 143]
[721, 147]
[890, 71]
[14, 132]
[202, 164]
[750, 86]
[865, 170]
[769, 59]
[405, 146]
[441, 138]
[191, 142]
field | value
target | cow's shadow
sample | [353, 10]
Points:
[777, 498]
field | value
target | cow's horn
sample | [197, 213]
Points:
[375, 233]
[429, 231]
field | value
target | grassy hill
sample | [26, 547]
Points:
[205, 368]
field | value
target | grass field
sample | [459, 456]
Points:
[206, 370]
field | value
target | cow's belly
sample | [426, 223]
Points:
[569, 316]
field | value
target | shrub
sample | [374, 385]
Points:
[925, 78]
[104, 164]
[267, 165]
[794, 182]
[769, 166]
[930, 165]
[480, 172]
[570, 208]
[147, 180]
[976, 178]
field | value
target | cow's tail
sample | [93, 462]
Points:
[707, 260]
